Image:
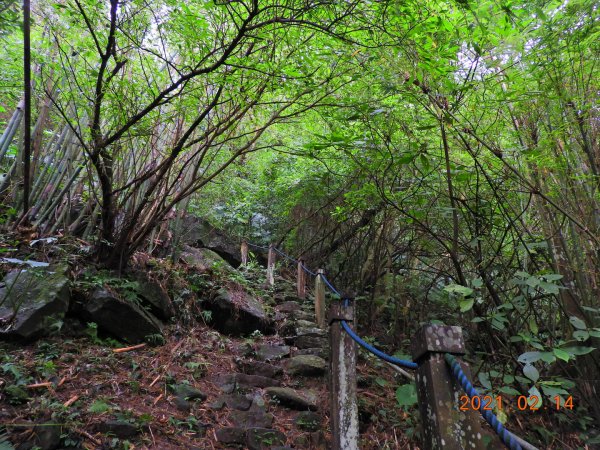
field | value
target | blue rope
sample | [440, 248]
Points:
[365, 345]
[509, 439]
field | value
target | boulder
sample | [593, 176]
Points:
[251, 419]
[263, 438]
[308, 421]
[233, 401]
[118, 428]
[32, 300]
[306, 365]
[231, 435]
[198, 232]
[263, 369]
[204, 259]
[237, 313]
[124, 320]
[302, 401]
[230, 381]
[155, 297]
[270, 352]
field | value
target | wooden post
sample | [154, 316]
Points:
[320, 299]
[301, 279]
[271, 266]
[244, 251]
[439, 394]
[344, 407]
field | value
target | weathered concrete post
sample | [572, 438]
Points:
[444, 424]
[244, 251]
[344, 407]
[301, 279]
[271, 266]
[320, 299]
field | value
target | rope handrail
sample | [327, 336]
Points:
[509, 439]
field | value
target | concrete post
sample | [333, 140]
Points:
[320, 299]
[301, 280]
[271, 266]
[344, 407]
[444, 424]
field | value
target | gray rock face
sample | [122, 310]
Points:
[304, 342]
[118, 428]
[204, 259]
[156, 297]
[308, 421]
[231, 435]
[233, 401]
[259, 368]
[229, 382]
[237, 313]
[288, 307]
[302, 401]
[252, 419]
[122, 319]
[198, 232]
[269, 352]
[263, 438]
[306, 365]
[32, 300]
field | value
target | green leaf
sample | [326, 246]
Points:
[578, 351]
[530, 357]
[581, 335]
[458, 289]
[536, 403]
[380, 381]
[466, 305]
[406, 395]
[509, 390]
[484, 379]
[531, 372]
[561, 354]
[577, 323]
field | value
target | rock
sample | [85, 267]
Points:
[315, 440]
[306, 365]
[188, 392]
[182, 404]
[229, 382]
[233, 401]
[120, 318]
[269, 352]
[198, 232]
[304, 342]
[259, 368]
[237, 313]
[304, 324]
[302, 315]
[231, 435]
[204, 260]
[320, 352]
[118, 428]
[155, 296]
[263, 438]
[293, 399]
[251, 419]
[46, 436]
[308, 421]
[288, 307]
[288, 329]
[40, 297]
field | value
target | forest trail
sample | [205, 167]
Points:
[201, 389]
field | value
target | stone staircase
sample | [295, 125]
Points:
[284, 374]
